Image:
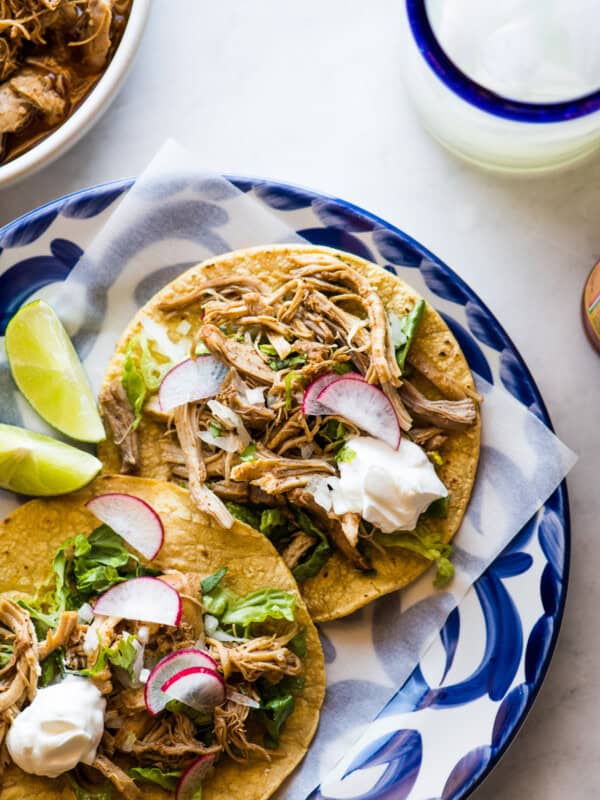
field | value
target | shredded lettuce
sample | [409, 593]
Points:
[85, 566]
[232, 610]
[404, 330]
[316, 558]
[298, 644]
[43, 620]
[244, 514]
[259, 606]
[428, 545]
[199, 718]
[293, 360]
[277, 703]
[103, 792]
[134, 385]
[439, 508]
[53, 667]
[122, 655]
[345, 455]
[166, 780]
[6, 653]
[249, 453]
[342, 367]
[335, 433]
[215, 428]
[143, 371]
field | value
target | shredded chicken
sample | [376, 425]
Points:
[300, 545]
[118, 777]
[203, 497]
[236, 354]
[18, 678]
[59, 637]
[430, 438]
[187, 585]
[262, 656]
[445, 414]
[231, 734]
[119, 416]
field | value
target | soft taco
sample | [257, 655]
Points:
[314, 396]
[198, 671]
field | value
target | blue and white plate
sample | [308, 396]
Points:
[477, 685]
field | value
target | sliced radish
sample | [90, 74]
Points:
[198, 687]
[170, 665]
[132, 518]
[143, 599]
[365, 405]
[191, 779]
[193, 379]
[309, 401]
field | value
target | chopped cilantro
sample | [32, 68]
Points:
[345, 455]
[404, 329]
[249, 453]
[210, 583]
[215, 428]
[166, 780]
[342, 367]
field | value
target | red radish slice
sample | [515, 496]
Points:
[365, 405]
[143, 599]
[191, 779]
[132, 518]
[309, 401]
[168, 666]
[198, 687]
[193, 379]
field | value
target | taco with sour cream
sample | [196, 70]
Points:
[168, 659]
[316, 397]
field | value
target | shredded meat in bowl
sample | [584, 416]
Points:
[52, 52]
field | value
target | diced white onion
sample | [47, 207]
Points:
[143, 634]
[85, 615]
[210, 624]
[184, 327]
[255, 397]
[230, 420]
[242, 699]
[282, 347]
[230, 442]
[144, 675]
[321, 491]
[221, 636]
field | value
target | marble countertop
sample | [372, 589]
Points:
[312, 94]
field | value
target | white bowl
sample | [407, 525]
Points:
[91, 109]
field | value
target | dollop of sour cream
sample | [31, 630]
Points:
[62, 727]
[389, 488]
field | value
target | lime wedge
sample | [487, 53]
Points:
[47, 370]
[38, 465]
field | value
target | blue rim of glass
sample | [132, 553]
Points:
[124, 184]
[476, 94]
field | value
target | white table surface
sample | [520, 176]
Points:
[311, 93]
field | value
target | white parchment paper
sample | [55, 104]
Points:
[178, 214]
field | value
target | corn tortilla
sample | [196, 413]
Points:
[339, 588]
[29, 538]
